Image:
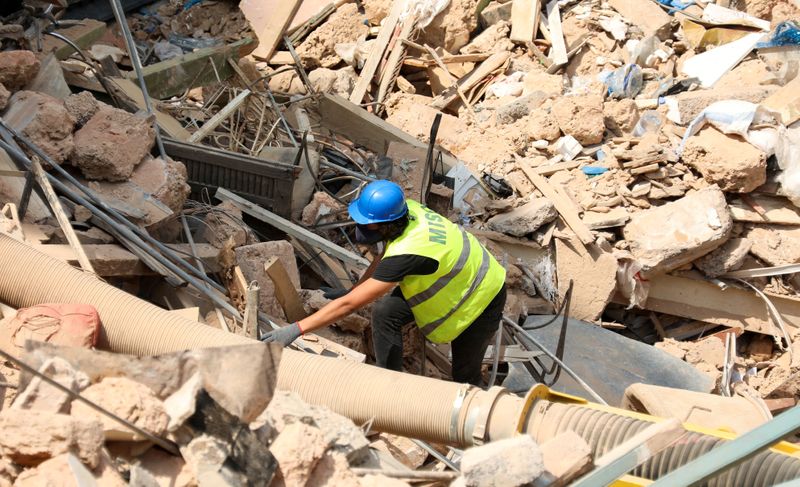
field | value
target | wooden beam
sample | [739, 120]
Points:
[83, 34]
[471, 79]
[395, 59]
[524, 20]
[704, 301]
[115, 261]
[632, 452]
[558, 49]
[166, 122]
[376, 54]
[566, 208]
[219, 117]
[199, 68]
[58, 212]
[284, 290]
[292, 229]
[269, 19]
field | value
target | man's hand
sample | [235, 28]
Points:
[331, 293]
[284, 335]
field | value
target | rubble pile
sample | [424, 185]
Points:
[633, 166]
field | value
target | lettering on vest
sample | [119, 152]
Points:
[436, 230]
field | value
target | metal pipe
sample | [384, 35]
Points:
[119, 15]
[564, 366]
[346, 171]
[120, 219]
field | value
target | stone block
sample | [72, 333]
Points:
[510, 462]
[581, 117]
[524, 219]
[17, 68]
[44, 120]
[111, 144]
[251, 259]
[727, 258]
[726, 160]
[666, 237]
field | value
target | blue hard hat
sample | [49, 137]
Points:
[380, 201]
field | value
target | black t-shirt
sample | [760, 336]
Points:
[396, 267]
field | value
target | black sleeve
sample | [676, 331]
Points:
[396, 267]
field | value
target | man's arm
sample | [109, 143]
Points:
[360, 296]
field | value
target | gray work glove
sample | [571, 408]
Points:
[284, 335]
[331, 293]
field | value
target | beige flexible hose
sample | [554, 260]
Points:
[130, 325]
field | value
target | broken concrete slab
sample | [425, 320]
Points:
[17, 68]
[110, 145]
[512, 462]
[726, 258]
[401, 448]
[452, 27]
[593, 274]
[666, 237]
[42, 396]
[342, 435]
[524, 219]
[30, 437]
[521, 107]
[581, 117]
[566, 456]
[775, 244]
[251, 259]
[686, 106]
[44, 120]
[164, 180]
[726, 160]
[132, 401]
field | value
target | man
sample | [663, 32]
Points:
[449, 284]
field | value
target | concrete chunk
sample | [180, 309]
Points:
[44, 120]
[30, 437]
[127, 399]
[17, 68]
[111, 144]
[251, 259]
[297, 449]
[728, 161]
[566, 456]
[666, 237]
[727, 258]
[42, 396]
[511, 462]
[524, 219]
[581, 117]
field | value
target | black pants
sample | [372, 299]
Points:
[391, 313]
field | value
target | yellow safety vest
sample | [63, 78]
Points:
[446, 302]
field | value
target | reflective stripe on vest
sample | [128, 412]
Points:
[446, 302]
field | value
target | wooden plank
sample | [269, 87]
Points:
[633, 452]
[115, 261]
[83, 34]
[219, 117]
[376, 54]
[281, 58]
[199, 68]
[168, 123]
[551, 169]
[558, 50]
[704, 301]
[269, 19]
[290, 228]
[58, 212]
[471, 79]
[785, 102]
[13, 187]
[566, 208]
[395, 59]
[524, 20]
[284, 290]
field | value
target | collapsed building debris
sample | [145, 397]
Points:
[629, 164]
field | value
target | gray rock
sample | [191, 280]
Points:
[521, 107]
[524, 219]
